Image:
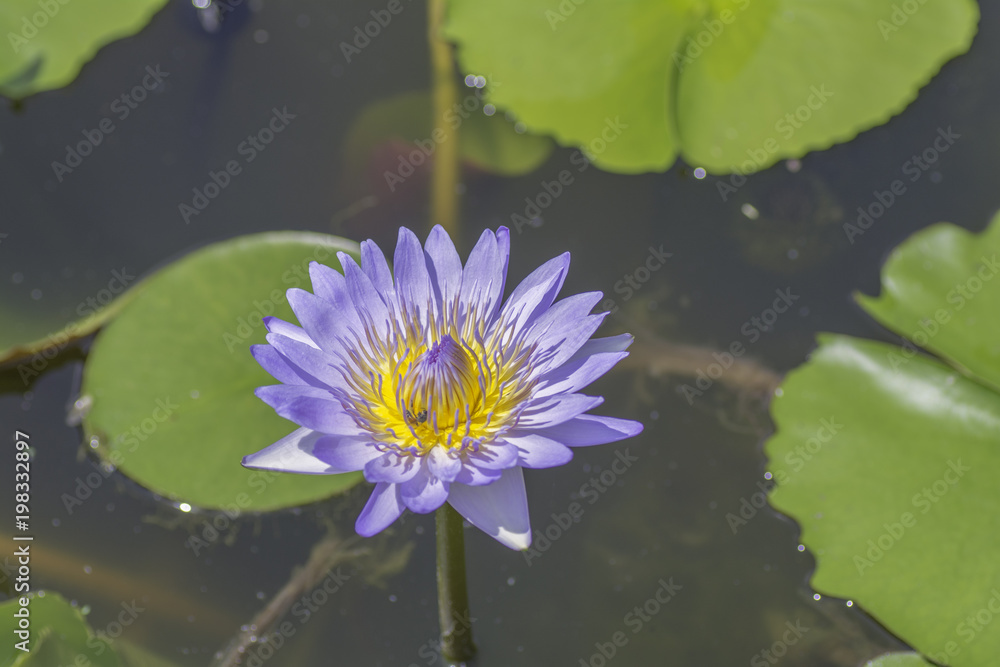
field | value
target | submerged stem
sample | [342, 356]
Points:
[444, 179]
[453, 597]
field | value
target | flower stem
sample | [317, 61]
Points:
[444, 178]
[453, 598]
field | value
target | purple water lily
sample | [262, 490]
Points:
[433, 388]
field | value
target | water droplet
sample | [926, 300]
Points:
[699, 173]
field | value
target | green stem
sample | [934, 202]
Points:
[445, 175]
[453, 597]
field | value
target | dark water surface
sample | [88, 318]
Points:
[660, 519]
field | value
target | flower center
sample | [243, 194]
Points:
[441, 390]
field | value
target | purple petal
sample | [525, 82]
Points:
[325, 416]
[424, 493]
[472, 475]
[443, 465]
[383, 507]
[587, 430]
[368, 302]
[393, 468]
[538, 451]
[557, 409]
[322, 322]
[375, 267]
[535, 293]
[296, 452]
[283, 328]
[482, 279]
[279, 395]
[321, 370]
[443, 264]
[413, 283]
[280, 368]
[503, 247]
[589, 363]
[331, 285]
[346, 452]
[495, 455]
[499, 509]
[563, 329]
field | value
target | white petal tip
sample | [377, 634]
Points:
[516, 541]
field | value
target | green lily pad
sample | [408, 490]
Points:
[899, 660]
[48, 41]
[941, 292]
[889, 458]
[171, 379]
[733, 85]
[59, 636]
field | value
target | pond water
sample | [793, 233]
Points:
[677, 509]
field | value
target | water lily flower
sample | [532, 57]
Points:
[424, 380]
